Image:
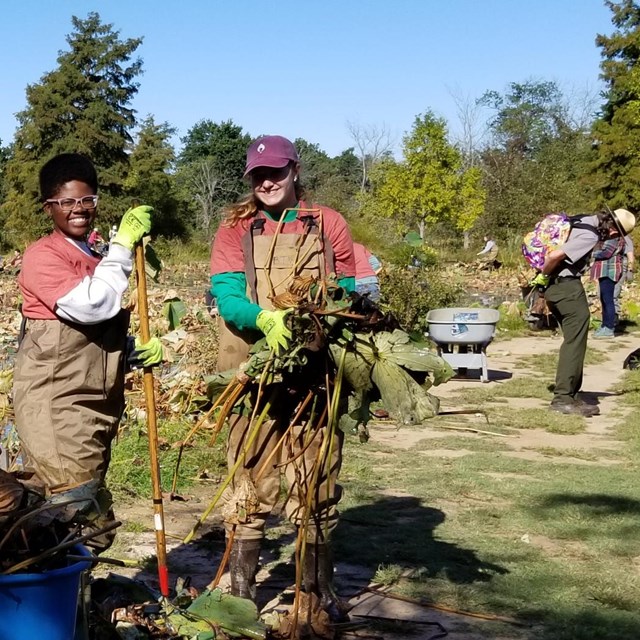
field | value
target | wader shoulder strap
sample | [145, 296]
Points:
[311, 226]
[256, 229]
[23, 328]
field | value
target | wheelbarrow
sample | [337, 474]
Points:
[461, 336]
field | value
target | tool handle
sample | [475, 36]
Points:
[152, 425]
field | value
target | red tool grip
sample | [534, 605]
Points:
[163, 573]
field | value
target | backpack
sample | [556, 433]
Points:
[549, 234]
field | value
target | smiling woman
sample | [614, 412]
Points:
[69, 374]
[268, 239]
[74, 211]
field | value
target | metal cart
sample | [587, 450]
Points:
[461, 336]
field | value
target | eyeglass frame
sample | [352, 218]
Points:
[75, 204]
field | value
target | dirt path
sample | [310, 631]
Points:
[200, 560]
[505, 363]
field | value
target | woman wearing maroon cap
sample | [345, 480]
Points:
[245, 260]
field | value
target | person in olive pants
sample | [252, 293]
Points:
[568, 303]
[561, 274]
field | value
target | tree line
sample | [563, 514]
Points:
[541, 150]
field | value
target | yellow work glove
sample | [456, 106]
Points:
[272, 324]
[149, 354]
[135, 224]
[540, 281]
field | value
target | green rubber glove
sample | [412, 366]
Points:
[271, 323]
[540, 281]
[135, 223]
[150, 353]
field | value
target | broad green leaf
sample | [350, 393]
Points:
[401, 395]
[357, 369]
[174, 310]
[152, 263]
[413, 239]
[237, 617]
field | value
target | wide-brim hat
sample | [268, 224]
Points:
[624, 220]
[270, 151]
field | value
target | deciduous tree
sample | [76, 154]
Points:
[210, 168]
[223, 145]
[430, 184]
[535, 158]
[372, 143]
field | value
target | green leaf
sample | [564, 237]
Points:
[174, 310]
[357, 365]
[218, 382]
[399, 349]
[152, 263]
[238, 617]
[413, 239]
[402, 396]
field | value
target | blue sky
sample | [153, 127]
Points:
[305, 68]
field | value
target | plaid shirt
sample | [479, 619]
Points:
[607, 257]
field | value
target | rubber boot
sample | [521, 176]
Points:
[317, 574]
[243, 566]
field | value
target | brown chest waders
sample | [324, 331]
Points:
[270, 267]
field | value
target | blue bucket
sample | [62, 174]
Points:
[42, 605]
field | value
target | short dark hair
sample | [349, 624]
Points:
[64, 168]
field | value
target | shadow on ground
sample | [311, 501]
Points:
[601, 504]
[399, 530]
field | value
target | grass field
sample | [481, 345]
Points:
[553, 545]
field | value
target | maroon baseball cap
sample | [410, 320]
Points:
[270, 151]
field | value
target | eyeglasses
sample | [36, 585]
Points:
[69, 204]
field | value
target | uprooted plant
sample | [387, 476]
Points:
[344, 354]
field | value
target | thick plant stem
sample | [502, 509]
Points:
[323, 459]
[252, 436]
[230, 388]
[261, 471]
[225, 559]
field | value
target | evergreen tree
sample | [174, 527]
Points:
[4, 157]
[81, 106]
[151, 178]
[615, 172]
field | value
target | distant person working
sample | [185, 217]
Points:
[367, 269]
[490, 254]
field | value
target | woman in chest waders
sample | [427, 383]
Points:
[267, 239]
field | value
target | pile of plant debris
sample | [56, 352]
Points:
[37, 533]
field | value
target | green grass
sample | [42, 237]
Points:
[182, 253]
[548, 542]
[530, 387]
[578, 454]
[128, 475]
[133, 526]
[547, 363]
[512, 324]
